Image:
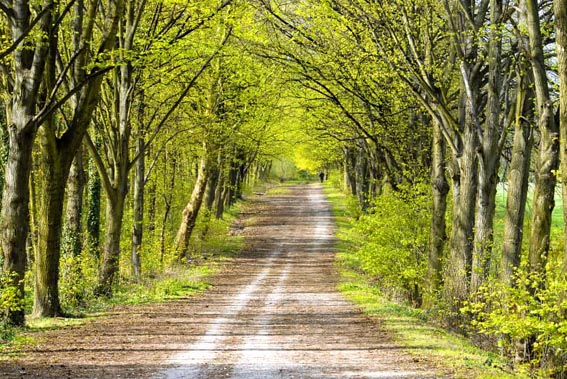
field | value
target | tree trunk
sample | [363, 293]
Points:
[440, 189]
[75, 191]
[213, 183]
[94, 187]
[547, 161]
[362, 180]
[55, 169]
[518, 180]
[152, 201]
[111, 251]
[489, 161]
[15, 211]
[4, 148]
[191, 211]
[138, 230]
[167, 197]
[457, 283]
[560, 8]
[220, 195]
[28, 62]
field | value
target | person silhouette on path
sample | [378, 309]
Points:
[322, 176]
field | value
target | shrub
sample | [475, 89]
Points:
[393, 240]
[9, 301]
[528, 320]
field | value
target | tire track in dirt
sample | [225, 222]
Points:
[294, 324]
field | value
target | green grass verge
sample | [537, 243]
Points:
[447, 351]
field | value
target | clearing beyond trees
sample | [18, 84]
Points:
[273, 313]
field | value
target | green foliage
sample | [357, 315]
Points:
[528, 320]
[10, 300]
[409, 326]
[393, 240]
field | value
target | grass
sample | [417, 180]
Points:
[410, 327]
[176, 282]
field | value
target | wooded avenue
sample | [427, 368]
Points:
[444, 122]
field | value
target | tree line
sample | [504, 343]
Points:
[161, 111]
[121, 114]
[467, 97]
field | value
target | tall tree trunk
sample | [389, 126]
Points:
[518, 180]
[547, 160]
[152, 202]
[362, 179]
[440, 189]
[167, 198]
[54, 172]
[111, 252]
[349, 167]
[94, 187]
[457, 283]
[29, 65]
[560, 8]
[220, 195]
[15, 211]
[213, 183]
[191, 211]
[75, 190]
[489, 161]
[138, 229]
[4, 147]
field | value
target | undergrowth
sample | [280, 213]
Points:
[413, 328]
[212, 248]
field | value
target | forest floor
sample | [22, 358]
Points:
[274, 312]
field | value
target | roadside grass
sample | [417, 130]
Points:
[176, 282]
[279, 190]
[446, 351]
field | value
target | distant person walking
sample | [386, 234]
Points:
[322, 176]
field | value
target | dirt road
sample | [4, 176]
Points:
[274, 314]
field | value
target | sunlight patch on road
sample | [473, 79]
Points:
[207, 347]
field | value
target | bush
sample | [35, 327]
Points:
[9, 301]
[528, 321]
[393, 241]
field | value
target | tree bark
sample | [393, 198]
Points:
[518, 180]
[55, 169]
[560, 9]
[29, 65]
[75, 191]
[440, 189]
[15, 211]
[220, 195]
[191, 211]
[138, 227]
[547, 160]
[111, 251]
[457, 283]
[490, 152]
[93, 208]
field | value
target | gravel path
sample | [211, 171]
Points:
[275, 313]
[280, 316]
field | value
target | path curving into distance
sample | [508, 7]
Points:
[272, 313]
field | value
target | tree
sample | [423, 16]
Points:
[82, 76]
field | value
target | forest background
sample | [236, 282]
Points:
[444, 120]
